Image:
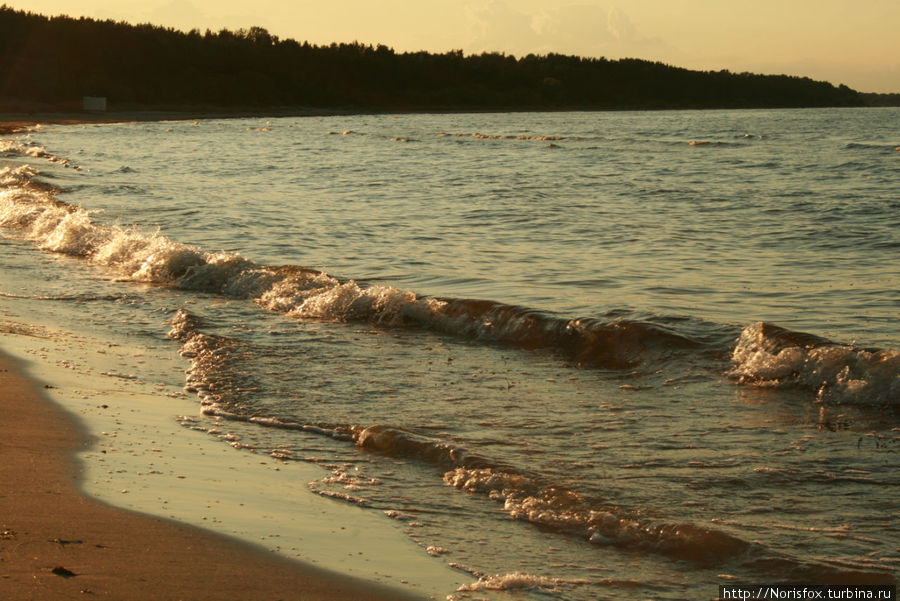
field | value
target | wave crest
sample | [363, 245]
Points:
[563, 510]
[305, 293]
[32, 150]
[514, 581]
[772, 357]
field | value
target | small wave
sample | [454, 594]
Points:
[23, 175]
[563, 510]
[213, 371]
[21, 329]
[305, 293]
[12, 148]
[67, 298]
[216, 377]
[397, 442]
[716, 143]
[520, 137]
[515, 581]
[769, 356]
[765, 355]
[871, 146]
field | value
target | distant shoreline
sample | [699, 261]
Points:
[15, 122]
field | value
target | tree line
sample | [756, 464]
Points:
[51, 62]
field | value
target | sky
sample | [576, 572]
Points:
[854, 42]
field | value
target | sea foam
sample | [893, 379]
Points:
[764, 355]
[134, 255]
[563, 510]
[771, 357]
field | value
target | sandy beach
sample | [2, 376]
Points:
[57, 544]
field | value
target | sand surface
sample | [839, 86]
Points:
[57, 544]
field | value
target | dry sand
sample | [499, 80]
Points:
[57, 544]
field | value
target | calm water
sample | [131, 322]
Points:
[574, 353]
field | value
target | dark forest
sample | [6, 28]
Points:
[50, 63]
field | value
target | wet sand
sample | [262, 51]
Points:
[55, 543]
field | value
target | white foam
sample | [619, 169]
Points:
[33, 150]
[515, 581]
[151, 257]
[838, 373]
[566, 511]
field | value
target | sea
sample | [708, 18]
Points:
[575, 355]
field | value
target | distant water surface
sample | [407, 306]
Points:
[591, 355]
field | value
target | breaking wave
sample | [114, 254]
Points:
[30, 149]
[520, 137]
[134, 255]
[769, 356]
[513, 582]
[562, 510]
[215, 376]
[764, 355]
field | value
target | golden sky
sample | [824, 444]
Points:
[854, 42]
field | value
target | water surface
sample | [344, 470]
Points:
[574, 353]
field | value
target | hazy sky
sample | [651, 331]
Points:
[855, 42]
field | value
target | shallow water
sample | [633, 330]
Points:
[572, 349]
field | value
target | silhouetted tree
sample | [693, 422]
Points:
[55, 61]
